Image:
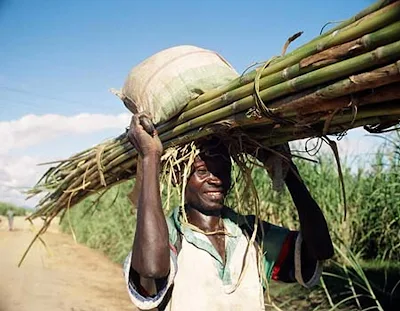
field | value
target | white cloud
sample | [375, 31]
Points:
[31, 130]
[17, 174]
[19, 170]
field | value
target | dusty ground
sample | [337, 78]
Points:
[67, 276]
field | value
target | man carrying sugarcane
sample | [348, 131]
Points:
[203, 258]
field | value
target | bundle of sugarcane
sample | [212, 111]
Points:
[347, 77]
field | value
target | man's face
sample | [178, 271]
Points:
[209, 182]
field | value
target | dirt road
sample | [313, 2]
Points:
[67, 276]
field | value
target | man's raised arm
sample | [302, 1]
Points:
[150, 252]
[313, 226]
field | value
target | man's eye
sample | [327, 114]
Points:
[202, 172]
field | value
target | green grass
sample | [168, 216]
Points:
[107, 225]
[340, 283]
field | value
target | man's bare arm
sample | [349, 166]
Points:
[150, 252]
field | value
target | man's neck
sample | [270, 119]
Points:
[205, 221]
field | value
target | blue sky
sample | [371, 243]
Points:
[74, 51]
[62, 57]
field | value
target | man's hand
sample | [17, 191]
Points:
[145, 143]
[277, 162]
[267, 157]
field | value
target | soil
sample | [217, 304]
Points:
[61, 276]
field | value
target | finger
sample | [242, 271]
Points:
[133, 129]
[135, 122]
[146, 124]
[155, 133]
[131, 138]
[135, 143]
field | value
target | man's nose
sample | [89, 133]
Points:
[214, 179]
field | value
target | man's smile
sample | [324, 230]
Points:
[215, 195]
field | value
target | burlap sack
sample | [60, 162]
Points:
[164, 83]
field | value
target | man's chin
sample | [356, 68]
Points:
[213, 206]
[208, 206]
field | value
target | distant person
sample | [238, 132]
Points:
[10, 216]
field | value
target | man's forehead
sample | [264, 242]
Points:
[213, 147]
[212, 159]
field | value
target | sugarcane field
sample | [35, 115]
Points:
[213, 155]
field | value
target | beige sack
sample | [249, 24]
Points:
[164, 83]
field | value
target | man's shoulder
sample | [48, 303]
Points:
[244, 221]
[247, 223]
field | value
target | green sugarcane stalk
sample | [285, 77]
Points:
[385, 109]
[376, 20]
[131, 152]
[355, 47]
[64, 192]
[63, 200]
[88, 165]
[116, 170]
[247, 91]
[109, 179]
[389, 111]
[110, 146]
[389, 92]
[281, 139]
[367, 11]
[359, 63]
[71, 163]
[352, 84]
[372, 102]
[115, 163]
[92, 170]
[368, 42]
[391, 108]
